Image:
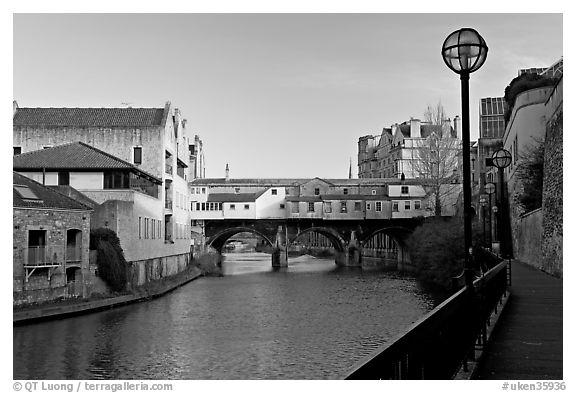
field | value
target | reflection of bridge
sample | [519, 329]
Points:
[351, 239]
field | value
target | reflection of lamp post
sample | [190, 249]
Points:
[464, 51]
[501, 159]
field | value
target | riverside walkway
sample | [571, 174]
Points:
[527, 341]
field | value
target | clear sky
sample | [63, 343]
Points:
[273, 95]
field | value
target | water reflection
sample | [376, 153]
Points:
[312, 320]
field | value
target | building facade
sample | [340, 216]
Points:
[154, 141]
[398, 151]
[51, 235]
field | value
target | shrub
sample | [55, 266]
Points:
[437, 251]
[110, 258]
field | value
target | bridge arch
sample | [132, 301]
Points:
[218, 240]
[397, 233]
[332, 235]
[398, 255]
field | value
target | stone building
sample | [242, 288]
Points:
[51, 235]
[396, 152]
[159, 148]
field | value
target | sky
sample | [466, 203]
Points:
[273, 95]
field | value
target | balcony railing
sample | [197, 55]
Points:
[168, 204]
[73, 254]
[43, 256]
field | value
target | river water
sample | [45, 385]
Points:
[312, 320]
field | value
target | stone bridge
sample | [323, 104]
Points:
[348, 237]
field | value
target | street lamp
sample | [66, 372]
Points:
[483, 203]
[501, 159]
[490, 188]
[464, 51]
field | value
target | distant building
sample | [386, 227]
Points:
[491, 131]
[51, 235]
[395, 152]
[326, 199]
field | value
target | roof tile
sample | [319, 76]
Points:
[89, 117]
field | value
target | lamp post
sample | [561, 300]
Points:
[501, 159]
[464, 51]
[483, 203]
[490, 188]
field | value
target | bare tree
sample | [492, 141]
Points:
[436, 159]
[435, 114]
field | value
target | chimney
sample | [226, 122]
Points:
[446, 128]
[227, 172]
[415, 128]
[458, 127]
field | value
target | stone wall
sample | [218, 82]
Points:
[552, 204]
[529, 238]
[145, 271]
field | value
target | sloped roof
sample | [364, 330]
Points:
[287, 182]
[89, 117]
[232, 197]
[75, 155]
[425, 130]
[46, 197]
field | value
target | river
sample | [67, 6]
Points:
[312, 320]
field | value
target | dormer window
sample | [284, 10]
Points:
[316, 191]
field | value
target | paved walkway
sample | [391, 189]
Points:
[527, 341]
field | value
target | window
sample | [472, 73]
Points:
[357, 206]
[246, 207]
[192, 190]
[343, 207]
[378, 206]
[316, 191]
[368, 206]
[296, 207]
[373, 192]
[137, 155]
[417, 205]
[310, 206]
[232, 206]
[345, 191]
[17, 150]
[406, 205]
[237, 190]
[274, 191]
[116, 180]
[203, 190]
[404, 190]
[395, 206]
[139, 227]
[63, 178]
[328, 207]
[282, 206]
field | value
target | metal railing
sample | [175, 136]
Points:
[441, 343]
